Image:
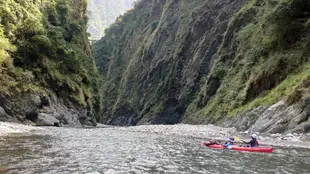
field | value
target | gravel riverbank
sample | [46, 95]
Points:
[207, 132]
[9, 128]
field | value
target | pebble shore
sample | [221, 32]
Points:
[208, 132]
[9, 128]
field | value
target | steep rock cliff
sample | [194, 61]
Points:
[203, 61]
[47, 73]
[103, 13]
[152, 66]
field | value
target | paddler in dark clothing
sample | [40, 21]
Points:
[212, 142]
[228, 143]
[253, 142]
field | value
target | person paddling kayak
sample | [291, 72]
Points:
[253, 142]
[212, 142]
[230, 141]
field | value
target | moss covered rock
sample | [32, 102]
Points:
[45, 51]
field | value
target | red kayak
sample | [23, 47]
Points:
[249, 149]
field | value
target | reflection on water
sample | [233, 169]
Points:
[68, 150]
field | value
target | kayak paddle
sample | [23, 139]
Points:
[236, 138]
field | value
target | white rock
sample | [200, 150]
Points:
[289, 135]
[275, 135]
[110, 171]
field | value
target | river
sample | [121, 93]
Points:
[110, 150]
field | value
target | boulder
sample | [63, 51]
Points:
[32, 116]
[275, 135]
[289, 135]
[305, 137]
[57, 115]
[307, 127]
[47, 120]
[3, 115]
[269, 118]
[45, 101]
[48, 110]
[244, 121]
[245, 132]
[35, 100]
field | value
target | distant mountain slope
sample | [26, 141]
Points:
[103, 13]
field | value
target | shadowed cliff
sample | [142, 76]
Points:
[48, 75]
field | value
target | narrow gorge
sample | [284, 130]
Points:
[240, 63]
[200, 62]
[154, 86]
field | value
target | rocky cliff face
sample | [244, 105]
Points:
[205, 61]
[48, 76]
[103, 13]
[152, 67]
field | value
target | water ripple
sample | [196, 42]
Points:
[93, 151]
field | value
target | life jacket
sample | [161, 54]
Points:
[228, 145]
[254, 143]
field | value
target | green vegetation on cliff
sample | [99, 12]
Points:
[44, 47]
[103, 13]
[200, 61]
[263, 59]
